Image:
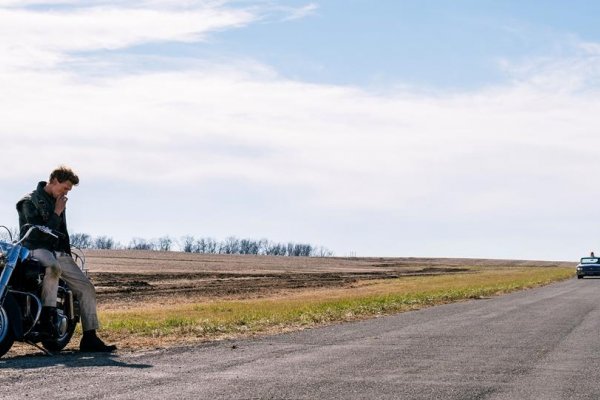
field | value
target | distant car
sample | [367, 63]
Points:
[588, 266]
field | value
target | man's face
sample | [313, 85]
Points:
[60, 189]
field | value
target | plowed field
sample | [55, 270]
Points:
[134, 276]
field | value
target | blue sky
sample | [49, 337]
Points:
[431, 44]
[387, 128]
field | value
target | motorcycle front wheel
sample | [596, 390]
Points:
[6, 334]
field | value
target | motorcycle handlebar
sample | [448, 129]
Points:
[42, 228]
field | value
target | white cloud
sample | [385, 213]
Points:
[301, 12]
[350, 148]
[181, 4]
[37, 39]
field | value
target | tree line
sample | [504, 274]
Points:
[204, 245]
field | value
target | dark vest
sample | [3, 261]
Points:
[37, 208]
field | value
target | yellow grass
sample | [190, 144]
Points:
[206, 320]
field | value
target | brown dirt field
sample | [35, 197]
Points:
[124, 276]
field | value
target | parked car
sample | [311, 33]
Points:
[588, 266]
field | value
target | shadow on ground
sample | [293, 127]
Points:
[73, 359]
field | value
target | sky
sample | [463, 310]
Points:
[374, 128]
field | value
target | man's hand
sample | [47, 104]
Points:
[61, 204]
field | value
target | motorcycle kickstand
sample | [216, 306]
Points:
[46, 352]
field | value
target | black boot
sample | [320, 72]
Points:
[48, 319]
[92, 343]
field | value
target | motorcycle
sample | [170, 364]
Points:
[21, 279]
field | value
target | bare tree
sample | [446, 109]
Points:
[212, 246]
[165, 243]
[302, 250]
[81, 240]
[141, 244]
[263, 245]
[276, 249]
[201, 246]
[104, 242]
[231, 245]
[188, 243]
[207, 245]
[321, 252]
[249, 246]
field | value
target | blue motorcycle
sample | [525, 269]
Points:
[21, 279]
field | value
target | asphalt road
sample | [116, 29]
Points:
[537, 344]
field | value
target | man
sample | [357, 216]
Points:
[46, 206]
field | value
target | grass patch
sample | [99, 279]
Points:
[220, 318]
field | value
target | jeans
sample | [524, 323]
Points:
[63, 266]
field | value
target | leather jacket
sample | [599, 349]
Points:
[37, 208]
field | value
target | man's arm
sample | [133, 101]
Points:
[32, 216]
